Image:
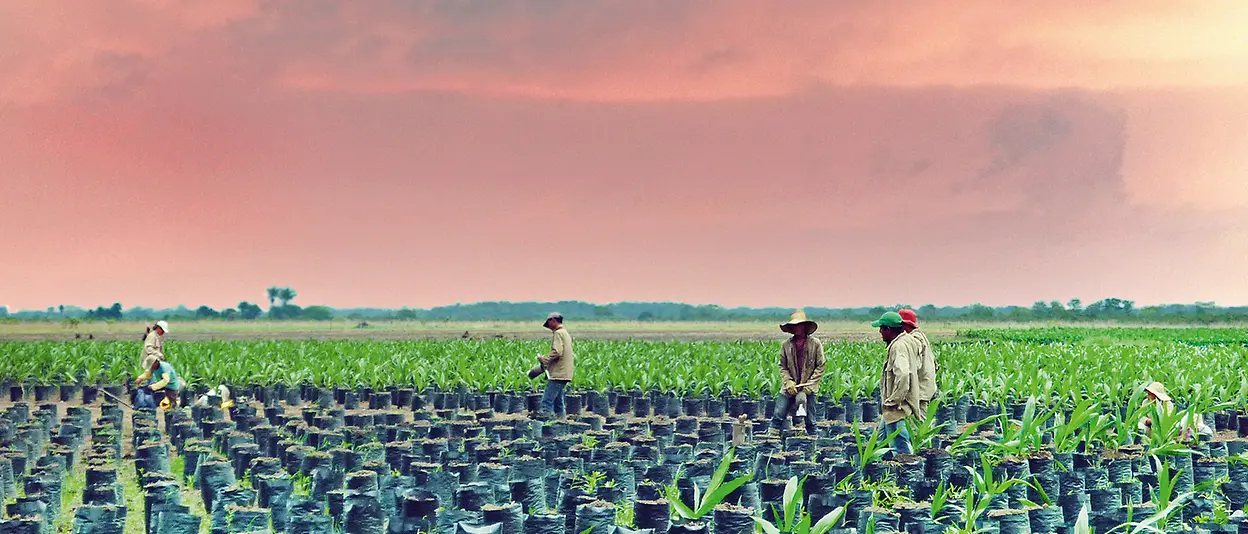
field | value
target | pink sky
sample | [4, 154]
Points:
[796, 153]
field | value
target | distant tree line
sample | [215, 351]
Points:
[281, 308]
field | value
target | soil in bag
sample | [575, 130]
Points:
[544, 524]
[309, 524]
[91, 519]
[1045, 519]
[730, 519]
[883, 520]
[363, 515]
[243, 519]
[274, 493]
[653, 514]
[1011, 521]
[174, 519]
[689, 528]
[509, 517]
[213, 476]
[529, 494]
[597, 517]
[156, 495]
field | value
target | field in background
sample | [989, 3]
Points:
[603, 330]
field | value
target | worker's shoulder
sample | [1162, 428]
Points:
[919, 335]
[908, 342]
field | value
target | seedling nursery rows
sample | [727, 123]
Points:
[373, 437]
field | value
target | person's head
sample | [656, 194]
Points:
[909, 319]
[156, 364]
[554, 321]
[799, 326]
[890, 325]
[161, 328]
[1157, 392]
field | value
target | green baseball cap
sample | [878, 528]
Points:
[889, 319]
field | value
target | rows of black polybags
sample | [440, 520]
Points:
[40, 451]
[325, 468]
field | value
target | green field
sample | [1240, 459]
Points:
[1022, 415]
[988, 364]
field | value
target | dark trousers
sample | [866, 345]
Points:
[780, 418]
[552, 398]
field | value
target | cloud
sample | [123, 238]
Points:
[628, 50]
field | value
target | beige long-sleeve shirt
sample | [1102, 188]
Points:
[153, 349]
[811, 371]
[927, 367]
[899, 383]
[559, 361]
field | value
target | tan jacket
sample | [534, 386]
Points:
[559, 364]
[812, 366]
[153, 349]
[927, 367]
[899, 383]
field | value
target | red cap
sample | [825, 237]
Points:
[909, 317]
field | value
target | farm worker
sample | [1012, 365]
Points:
[927, 359]
[153, 344]
[801, 367]
[159, 382]
[899, 382]
[1158, 397]
[558, 366]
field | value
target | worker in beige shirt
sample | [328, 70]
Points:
[153, 345]
[899, 383]
[558, 366]
[801, 368]
[927, 359]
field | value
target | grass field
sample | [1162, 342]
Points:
[399, 330]
[411, 409]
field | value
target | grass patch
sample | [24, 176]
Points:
[72, 489]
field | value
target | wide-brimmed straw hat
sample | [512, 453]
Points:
[796, 318]
[1158, 390]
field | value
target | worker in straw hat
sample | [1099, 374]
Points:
[160, 385]
[899, 382]
[1164, 406]
[927, 358]
[557, 365]
[801, 368]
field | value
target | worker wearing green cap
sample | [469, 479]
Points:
[899, 383]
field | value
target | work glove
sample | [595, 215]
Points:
[790, 388]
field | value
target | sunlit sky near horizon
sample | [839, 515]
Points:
[798, 153]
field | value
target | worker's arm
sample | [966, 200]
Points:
[787, 383]
[820, 364]
[900, 362]
[143, 378]
[160, 384]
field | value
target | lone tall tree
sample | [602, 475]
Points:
[286, 295]
[273, 292]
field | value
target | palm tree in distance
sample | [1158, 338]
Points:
[273, 292]
[286, 295]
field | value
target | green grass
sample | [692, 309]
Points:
[71, 496]
[1002, 370]
[129, 480]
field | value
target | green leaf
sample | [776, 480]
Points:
[828, 521]
[790, 503]
[765, 525]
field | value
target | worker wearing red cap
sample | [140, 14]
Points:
[927, 359]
